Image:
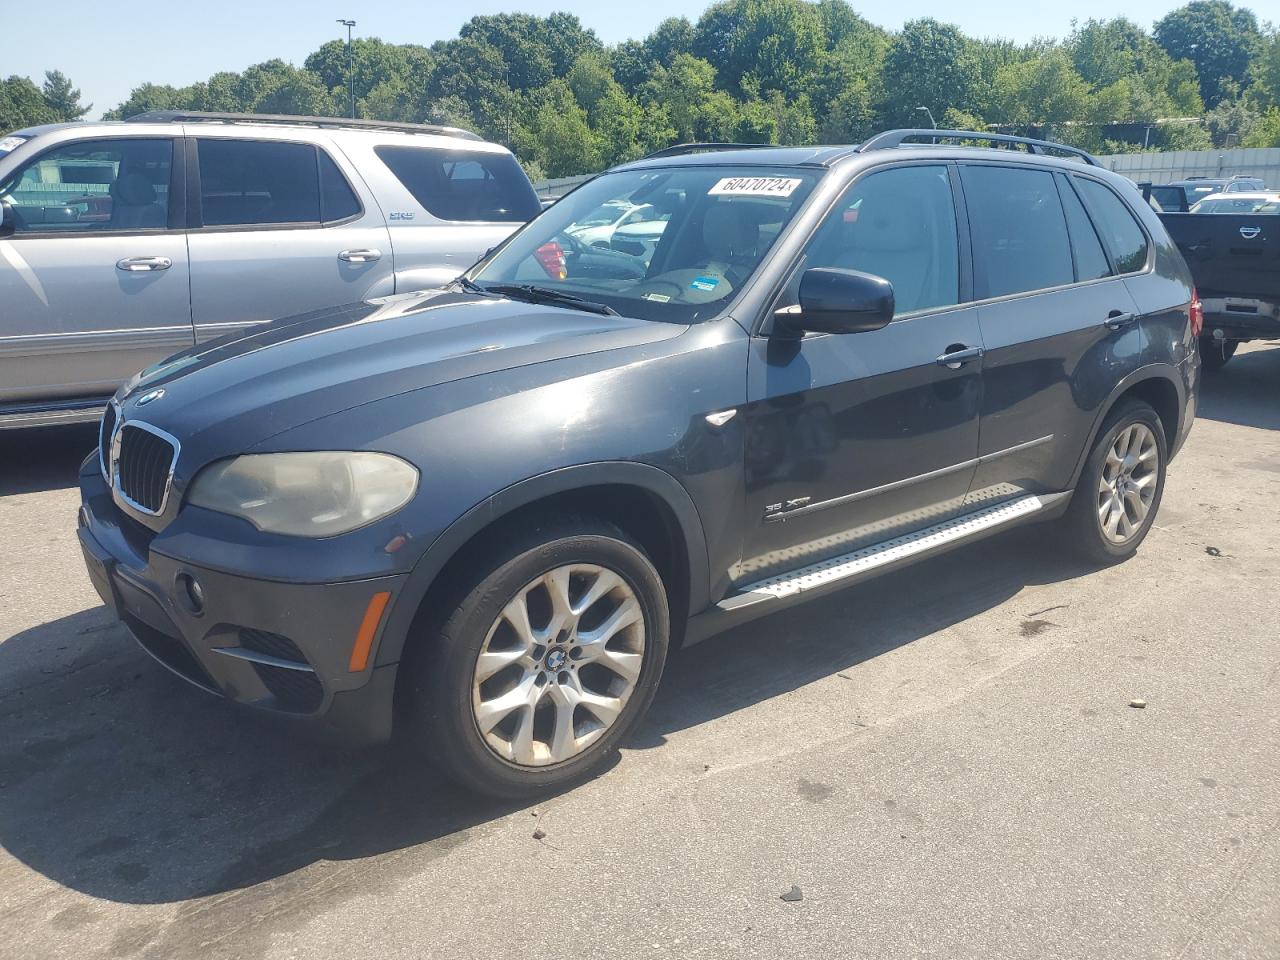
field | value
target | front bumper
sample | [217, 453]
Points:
[283, 647]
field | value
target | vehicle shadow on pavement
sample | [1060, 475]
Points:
[1246, 391]
[44, 459]
[122, 782]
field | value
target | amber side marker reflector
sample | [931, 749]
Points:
[368, 629]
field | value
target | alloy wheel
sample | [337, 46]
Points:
[558, 665]
[1127, 486]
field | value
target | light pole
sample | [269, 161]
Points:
[926, 110]
[351, 65]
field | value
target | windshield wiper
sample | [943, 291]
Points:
[556, 298]
[468, 285]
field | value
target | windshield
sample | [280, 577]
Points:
[701, 233]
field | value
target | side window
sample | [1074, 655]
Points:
[1019, 230]
[1091, 261]
[461, 184]
[93, 185]
[899, 224]
[249, 182]
[337, 200]
[1120, 231]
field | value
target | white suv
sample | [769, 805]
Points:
[121, 243]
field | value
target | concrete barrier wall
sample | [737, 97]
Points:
[1156, 167]
[1180, 164]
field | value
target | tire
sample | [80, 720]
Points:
[1091, 524]
[1214, 354]
[559, 684]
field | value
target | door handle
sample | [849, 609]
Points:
[958, 355]
[1118, 320]
[143, 264]
[360, 256]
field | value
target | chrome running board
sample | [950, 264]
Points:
[860, 563]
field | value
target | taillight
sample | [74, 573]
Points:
[550, 257]
[1197, 314]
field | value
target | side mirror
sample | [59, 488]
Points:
[7, 219]
[833, 300]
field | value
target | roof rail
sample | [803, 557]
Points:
[680, 149]
[340, 123]
[896, 138]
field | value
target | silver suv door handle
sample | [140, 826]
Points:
[958, 355]
[1118, 320]
[360, 256]
[143, 264]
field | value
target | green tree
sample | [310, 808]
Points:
[777, 43]
[402, 65]
[560, 139]
[928, 64]
[22, 105]
[1230, 122]
[672, 37]
[153, 96]
[1217, 37]
[1265, 90]
[62, 97]
[1039, 92]
[1266, 132]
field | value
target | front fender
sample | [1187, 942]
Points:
[622, 473]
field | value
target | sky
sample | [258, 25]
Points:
[107, 53]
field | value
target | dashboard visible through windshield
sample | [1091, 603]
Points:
[669, 244]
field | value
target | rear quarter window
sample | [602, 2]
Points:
[463, 185]
[1117, 224]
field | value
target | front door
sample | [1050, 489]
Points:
[854, 439]
[280, 230]
[93, 282]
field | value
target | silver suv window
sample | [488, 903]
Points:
[111, 185]
[463, 184]
[264, 183]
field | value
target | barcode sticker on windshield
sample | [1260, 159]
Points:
[756, 186]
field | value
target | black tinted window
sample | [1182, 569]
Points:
[337, 201]
[463, 184]
[257, 182]
[1091, 261]
[901, 225]
[1120, 231]
[1019, 232]
[93, 185]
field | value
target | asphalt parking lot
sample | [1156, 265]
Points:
[944, 762]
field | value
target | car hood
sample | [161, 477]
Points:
[278, 376]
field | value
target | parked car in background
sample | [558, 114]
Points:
[1267, 203]
[597, 228]
[487, 513]
[124, 242]
[1179, 196]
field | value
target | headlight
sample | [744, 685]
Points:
[313, 494]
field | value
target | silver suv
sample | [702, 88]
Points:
[122, 243]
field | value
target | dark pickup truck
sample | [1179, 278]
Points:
[1235, 262]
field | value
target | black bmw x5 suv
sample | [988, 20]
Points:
[490, 511]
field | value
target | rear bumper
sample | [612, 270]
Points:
[281, 647]
[1241, 318]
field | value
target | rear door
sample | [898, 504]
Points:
[93, 275]
[279, 228]
[1059, 326]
